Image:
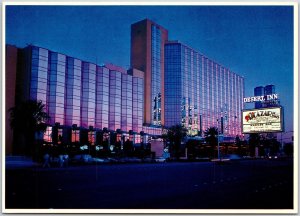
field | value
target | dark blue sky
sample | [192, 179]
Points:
[253, 41]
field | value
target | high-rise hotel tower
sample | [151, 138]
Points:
[147, 54]
[183, 86]
[201, 93]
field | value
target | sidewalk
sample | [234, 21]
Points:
[13, 162]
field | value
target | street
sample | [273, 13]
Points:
[245, 184]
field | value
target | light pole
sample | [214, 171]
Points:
[218, 129]
[218, 145]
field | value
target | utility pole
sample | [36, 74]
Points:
[218, 145]
[218, 139]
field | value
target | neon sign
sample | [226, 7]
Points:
[261, 98]
[262, 120]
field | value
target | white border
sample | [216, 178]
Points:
[296, 108]
[145, 3]
[3, 109]
[151, 211]
[161, 211]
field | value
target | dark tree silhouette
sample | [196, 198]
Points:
[288, 149]
[27, 119]
[270, 146]
[254, 141]
[211, 137]
[238, 144]
[174, 135]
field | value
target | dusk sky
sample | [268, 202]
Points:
[253, 41]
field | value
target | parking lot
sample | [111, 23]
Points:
[243, 184]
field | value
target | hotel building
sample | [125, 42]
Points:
[169, 83]
[190, 89]
[264, 91]
[200, 93]
[78, 95]
[147, 54]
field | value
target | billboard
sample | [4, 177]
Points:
[265, 120]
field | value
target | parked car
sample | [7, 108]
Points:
[82, 158]
[160, 159]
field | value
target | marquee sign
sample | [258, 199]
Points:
[263, 120]
[261, 98]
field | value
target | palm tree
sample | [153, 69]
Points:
[211, 137]
[27, 119]
[174, 135]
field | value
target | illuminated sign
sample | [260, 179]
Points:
[261, 98]
[262, 120]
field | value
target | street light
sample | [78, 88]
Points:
[218, 137]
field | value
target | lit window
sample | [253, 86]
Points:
[91, 137]
[48, 134]
[75, 136]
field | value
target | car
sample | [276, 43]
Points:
[160, 159]
[272, 157]
[82, 158]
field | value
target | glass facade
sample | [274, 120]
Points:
[169, 83]
[186, 88]
[137, 103]
[156, 74]
[115, 87]
[264, 91]
[88, 97]
[126, 118]
[147, 55]
[73, 92]
[156, 131]
[102, 98]
[259, 91]
[181, 85]
[84, 94]
[39, 74]
[173, 83]
[199, 92]
[269, 89]
[56, 91]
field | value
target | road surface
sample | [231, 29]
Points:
[248, 184]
